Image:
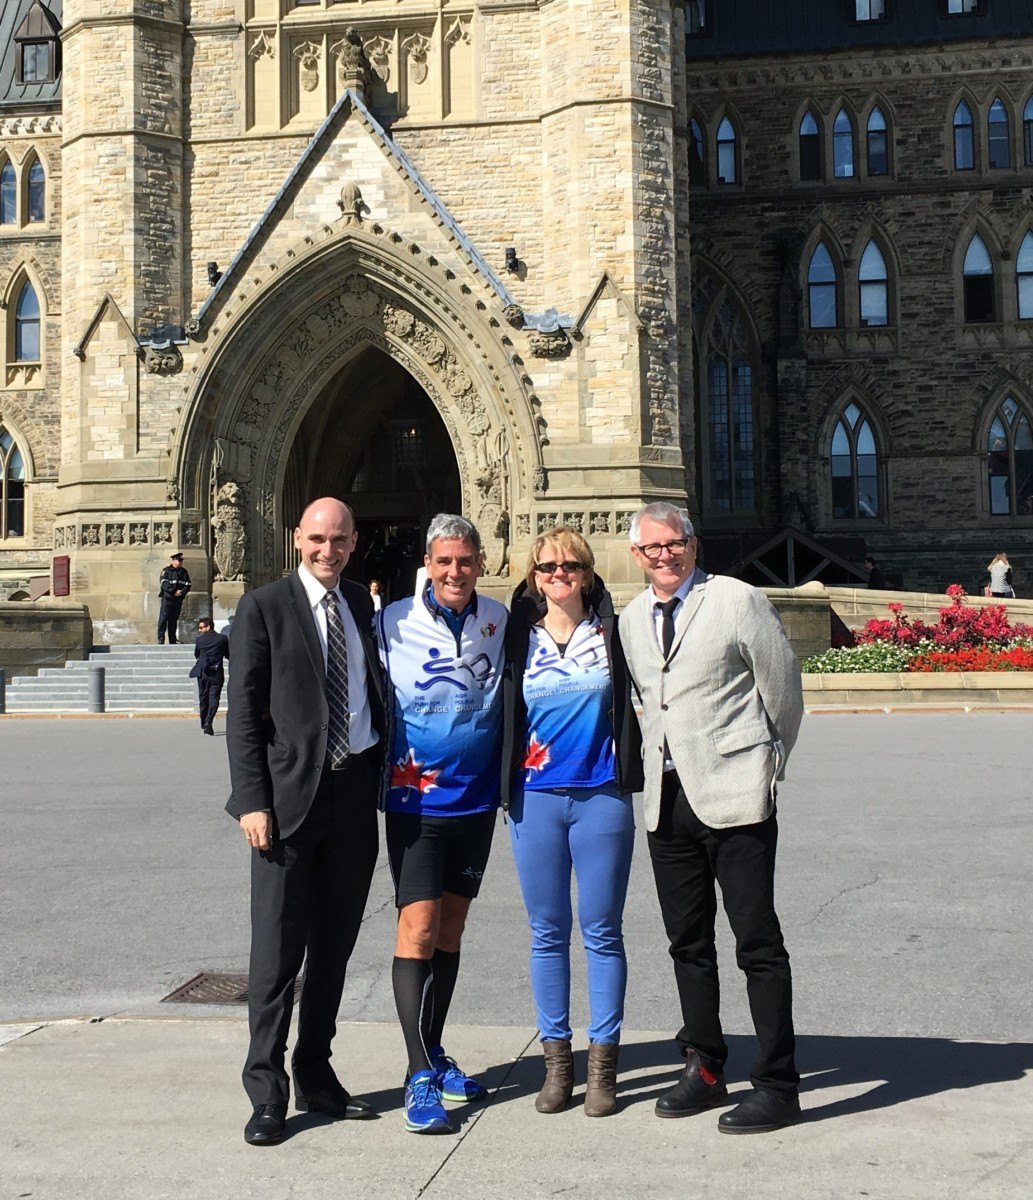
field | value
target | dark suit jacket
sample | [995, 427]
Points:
[209, 651]
[276, 726]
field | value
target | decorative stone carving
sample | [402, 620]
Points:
[352, 64]
[230, 526]
[514, 315]
[378, 51]
[554, 344]
[459, 32]
[575, 521]
[191, 533]
[624, 522]
[172, 492]
[351, 204]
[307, 55]
[91, 535]
[599, 522]
[548, 520]
[261, 44]
[164, 361]
[358, 300]
[115, 535]
[398, 321]
[417, 48]
[523, 525]
[540, 483]
[163, 533]
[59, 537]
[138, 534]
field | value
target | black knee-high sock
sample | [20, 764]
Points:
[445, 966]
[412, 983]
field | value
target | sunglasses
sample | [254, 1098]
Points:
[550, 568]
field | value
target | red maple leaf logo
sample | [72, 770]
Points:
[409, 774]
[488, 630]
[537, 754]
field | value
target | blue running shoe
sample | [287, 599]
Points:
[455, 1084]
[424, 1112]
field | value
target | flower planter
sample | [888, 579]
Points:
[900, 689]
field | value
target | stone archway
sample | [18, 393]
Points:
[268, 361]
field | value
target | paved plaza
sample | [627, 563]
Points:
[903, 888]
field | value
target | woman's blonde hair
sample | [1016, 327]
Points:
[1000, 556]
[572, 546]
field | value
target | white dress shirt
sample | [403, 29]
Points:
[361, 734]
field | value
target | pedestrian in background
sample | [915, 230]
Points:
[572, 756]
[210, 649]
[997, 581]
[173, 585]
[374, 594]
[876, 579]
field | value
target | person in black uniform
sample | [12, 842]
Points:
[173, 585]
[210, 648]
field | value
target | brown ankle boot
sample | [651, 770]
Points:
[601, 1092]
[559, 1077]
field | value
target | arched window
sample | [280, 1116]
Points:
[1009, 461]
[12, 487]
[1024, 278]
[726, 165]
[964, 138]
[843, 145]
[26, 325]
[728, 409]
[697, 152]
[855, 467]
[978, 282]
[8, 194]
[878, 144]
[873, 287]
[1027, 132]
[810, 147]
[822, 304]
[37, 192]
[998, 136]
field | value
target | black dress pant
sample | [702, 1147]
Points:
[168, 619]
[209, 693]
[308, 895]
[688, 858]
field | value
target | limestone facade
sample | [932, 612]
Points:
[355, 172]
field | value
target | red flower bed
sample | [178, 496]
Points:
[960, 627]
[981, 658]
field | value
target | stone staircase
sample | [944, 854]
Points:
[136, 679]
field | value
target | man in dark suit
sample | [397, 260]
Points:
[304, 732]
[210, 648]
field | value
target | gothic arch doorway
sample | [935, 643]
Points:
[374, 435]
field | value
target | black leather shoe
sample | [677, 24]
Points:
[691, 1094]
[761, 1112]
[266, 1125]
[209, 730]
[334, 1102]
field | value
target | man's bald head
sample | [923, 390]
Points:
[326, 537]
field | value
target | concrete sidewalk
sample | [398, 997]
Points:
[144, 1109]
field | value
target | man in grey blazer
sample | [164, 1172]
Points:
[722, 704]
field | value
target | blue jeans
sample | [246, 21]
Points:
[593, 831]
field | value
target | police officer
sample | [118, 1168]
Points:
[173, 585]
[210, 648]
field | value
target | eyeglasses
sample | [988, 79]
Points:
[568, 568]
[655, 549]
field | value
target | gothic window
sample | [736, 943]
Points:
[37, 47]
[810, 147]
[869, 10]
[878, 144]
[726, 153]
[695, 17]
[37, 192]
[843, 145]
[728, 409]
[697, 151]
[1024, 278]
[978, 282]
[8, 194]
[12, 488]
[998, 137]
[1009, 461]
[873, 287]
[964, 138]
[822, 284]
[1027, 132]
[855, 467]
[26, 325]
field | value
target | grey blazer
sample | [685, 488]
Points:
[728, 700]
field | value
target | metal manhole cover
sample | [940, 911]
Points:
[211, 987]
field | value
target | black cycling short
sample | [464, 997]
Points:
[433, 855]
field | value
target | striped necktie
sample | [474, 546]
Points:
[336, 683]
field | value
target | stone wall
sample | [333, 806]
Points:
[46, 634]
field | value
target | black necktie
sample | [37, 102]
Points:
[336, 683]
[667, 627]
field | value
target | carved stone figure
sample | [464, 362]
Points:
[398, 321]
[138, 534]
[307, 55]
[351, 204]
[352, 62]
[230, 526]
[166, 361]
[514, 315]
[555, 344]
[191, 533]
[493, 524]
[540, 482]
